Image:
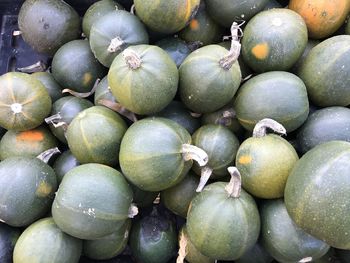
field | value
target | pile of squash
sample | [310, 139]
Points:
[194, 131]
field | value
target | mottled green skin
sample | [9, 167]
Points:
[8, 239]
[176, 111]
[109, 246]
[284, 33]
[285, 241]
[222, 227]
[92, 201]
[317, 193]
[176, 48]
[277, 95]
[265, 164]
[120, 24]
[102, 92]
[166, 16]
[48, 24]
[326, 72]
[327, 124]
[95, 134]
[27, 187]
[12, 144]
[149, 88]
[44, 242]
[75, 67]
[178, 198]
[96, 11]
[151, 154]
[54, 89]
[310, 45]
[257, 254]
[21, 88]
[220, 144]
[68, 107]
[204, 85]
[143, 198]
[227, 11]
[64, 163]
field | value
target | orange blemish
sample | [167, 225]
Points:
[87, 78]
[245, 159]
[261, 51]
[30, 136]
[194, 25]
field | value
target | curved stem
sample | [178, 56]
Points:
[182, 248]
[191, 152]
[132, 9]
[304, 260]
[132, 59]
[115, 45]
[82, 94]
[206, 172]
[133, 211]
[39, 66]
[233, 188]
[115, 106]
[55, 121]
[46, 156]
[260, 129]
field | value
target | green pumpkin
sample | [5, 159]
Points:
[8, 238]
[317, 193]
[155, 154]
[103, 92]
[27, 187]
[95, 134]
[274, 40]
[143, 198]
[24, 102]
[278, 95]
[48, 24]
[54, 89]
[206, 82]
[64, 163]
[310, 45]
[144, 79]
[257, 254]
[43, 241]
[176, 48]
[223, 221]
[108, 40]
[166, 16]
[75, 67]
[93, 200]
[326, 70]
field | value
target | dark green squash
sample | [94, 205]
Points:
[48, 24]
[144, 78]
[24, 101]
[326, 72]
[223, 221]
[156, 153]
[93, 200]
[327, 124]
[43, 241]
[209, 78]
[8, 238]
[176, 48]
[274, 40]
[27, 187]
[143, 198]
[54, 89]
[113, 33]
[166, 16]
[94, 136]
[257, 254]
[103, 92]
[64, 163]
[278, 95]
[75, 67]
[310, 45]
[317, 193]
[265, 161]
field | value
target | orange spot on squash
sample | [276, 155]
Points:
[261, 51]
[245, 159]
[44, 189]
[194, 25]
[30, 136]
[87, 78]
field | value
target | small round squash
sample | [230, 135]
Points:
[176, 48]
[8, 238]
[64, 163]
[54, 89]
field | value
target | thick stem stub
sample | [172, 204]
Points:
[191, 152]
[132, 59]
[56, 122]
[206, 172]
[233, 188]
[115, 45]
[260, 129]
[133, 211]
[46, 156]
[115, 106]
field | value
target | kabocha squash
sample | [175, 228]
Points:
[54, 89]
[176, 48]
[310, 45]
[226, 12]
[256, 254]
[285, 241]
[93, 200]
[327, 124]
[8, 239]
[166, 16]
[322, 17]
[156, 153]
[144, 78]
[95, 134]
[277, 95]
[103, 92]
[75, 67]
[34, 183]
[317, 193]
[48, 24]
[221, 145]
[64, 163]
[43, 241]
[223, 221]
[143, 198]
[24, 102]
[326, 72]
[274, 40]
[113, 33]
[26, 143]
[265, 161]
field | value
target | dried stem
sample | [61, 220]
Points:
[182, 248]
[132, 59]
[46, 156]
[39, 66]
[233, 188]
[260, 129]
[82, 94]
[118, 108]
[191, 152]
[133, 211]
[115, 45]
[206, 172]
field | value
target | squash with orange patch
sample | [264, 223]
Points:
[322, 17]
